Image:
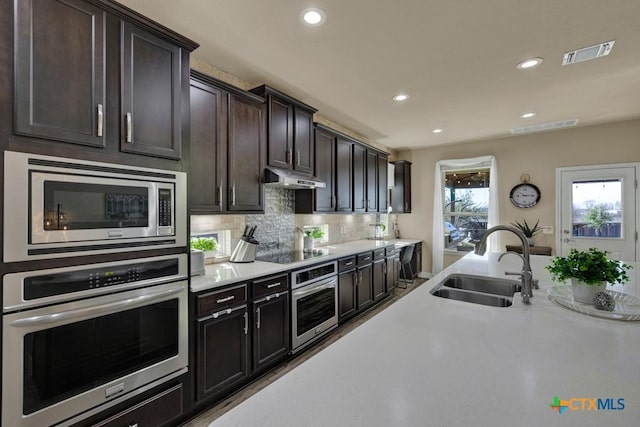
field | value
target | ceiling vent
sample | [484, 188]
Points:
[587, 53]
[545, 126]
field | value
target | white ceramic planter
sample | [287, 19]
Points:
[308, 244]
[585, 293]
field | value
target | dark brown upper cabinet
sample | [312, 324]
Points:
[401, 191]
[290, 142]
[60, 71]
[151, 94]
[99, 75]
[372, 181]
[344, 175]
[321, 199]
[359, 178]
[383, 190]
[227, 148]
[208, 148]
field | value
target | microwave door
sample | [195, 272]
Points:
[77, 208]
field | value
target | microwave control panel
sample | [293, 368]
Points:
[82, 280]
[164, 207]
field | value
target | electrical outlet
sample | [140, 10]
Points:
[547, 229]
[343, 229]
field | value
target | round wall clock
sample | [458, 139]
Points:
[525, 194]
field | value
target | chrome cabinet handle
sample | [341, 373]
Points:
[273, 285]
[289, 156]
[258, 315]
[220, 196]
[246, 322]
[355, 278]
[406, 206]
[229, 298]
[233, 195]
[298, 157]
[100, 119]
[348, 263]
[129, 127]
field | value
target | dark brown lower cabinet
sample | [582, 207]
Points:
[222, 351]
[347, 294]
[365, 286]
[270, 330]
[379, 280]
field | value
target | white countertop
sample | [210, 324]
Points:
[226, 273]
[428, 361]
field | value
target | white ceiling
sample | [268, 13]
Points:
[456, 59]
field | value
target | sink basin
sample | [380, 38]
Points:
[477, 289]
[487, 285]
[474, 297]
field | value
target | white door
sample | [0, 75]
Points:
[597, 208]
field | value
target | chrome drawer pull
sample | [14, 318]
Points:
[348, 263]
[273, 285]
[229, 298]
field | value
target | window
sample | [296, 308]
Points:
[222, 238]
[465, 208]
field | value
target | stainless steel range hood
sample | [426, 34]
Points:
[283, 178]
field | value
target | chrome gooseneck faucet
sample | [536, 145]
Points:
[526, 276]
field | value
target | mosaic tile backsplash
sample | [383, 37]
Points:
[276, 230]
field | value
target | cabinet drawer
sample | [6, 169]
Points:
[270, 285]
[219, 300]
[378, 254]
[156, 411]
[392, 251]
[345, 264]
[364, 258]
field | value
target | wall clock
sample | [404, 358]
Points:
[525, 194]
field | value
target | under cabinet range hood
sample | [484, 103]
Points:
[283, 178]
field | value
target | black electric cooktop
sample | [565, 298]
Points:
[294, 256]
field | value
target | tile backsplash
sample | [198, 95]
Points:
[276, 230]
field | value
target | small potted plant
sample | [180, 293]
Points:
[310, 235]
[199, 246]
[589, 272]
[528, 231]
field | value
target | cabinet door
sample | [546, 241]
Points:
[401, 192]
[365, 286]
[372, 182]
[396, 270]
[270, 330]
[379, 280]
[60, 70]
[222, 351]
[347, 294]
[359, 178]
[208, 119]
[325, 171]
[344, 177]
[383, 191]
[280, 150]
[303, 141]
[389, 273]
[245, 156]
[151, 94]
[407, 187]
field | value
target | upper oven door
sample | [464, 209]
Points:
[80, 208]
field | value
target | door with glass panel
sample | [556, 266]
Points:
[598, 208]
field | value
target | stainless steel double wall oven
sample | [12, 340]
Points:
[78, 339]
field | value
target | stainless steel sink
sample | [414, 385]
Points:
[477, 289]
[474, 297]
[485, 285]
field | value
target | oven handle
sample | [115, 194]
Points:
[98, 309]
[331, 283]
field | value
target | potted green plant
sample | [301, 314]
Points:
[589, 272]
[310, 235]
[528, 231]
[205, 244]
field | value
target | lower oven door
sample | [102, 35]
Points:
[74, 359]
[314, 311]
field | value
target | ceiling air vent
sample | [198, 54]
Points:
[587, 53]
[545, 126]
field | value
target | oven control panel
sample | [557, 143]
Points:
[59, 283]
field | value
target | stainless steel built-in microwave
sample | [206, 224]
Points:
[57, 207]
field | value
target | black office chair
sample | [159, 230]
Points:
[405, 260]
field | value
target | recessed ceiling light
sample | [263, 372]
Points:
[527, 115]
[437, 130]
[529, 63]
[401, 97]
[313, 16]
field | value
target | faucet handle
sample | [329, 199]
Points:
[511, 273]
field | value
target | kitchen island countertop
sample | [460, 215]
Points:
[225, 273]
[428, 361]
